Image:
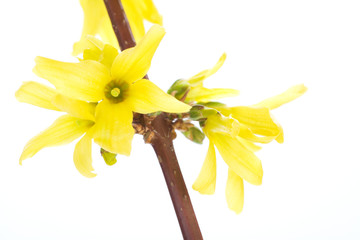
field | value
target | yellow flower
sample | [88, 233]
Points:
[99, 100]
[235, 135]
[97, 21]
[198, 93]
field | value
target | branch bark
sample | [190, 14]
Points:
[162, 140]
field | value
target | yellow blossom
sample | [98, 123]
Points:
[97, 21]
[235, 131]
[100, 100]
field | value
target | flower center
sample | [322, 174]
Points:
[115, 92]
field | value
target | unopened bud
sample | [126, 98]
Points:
[213, 104]
[194, 134]
[179, 88]
[110, 158]
[199, 112]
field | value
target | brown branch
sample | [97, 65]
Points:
[162, 137]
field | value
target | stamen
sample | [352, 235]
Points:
[115, 92]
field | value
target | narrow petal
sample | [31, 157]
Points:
[249, 145]
[202, 94]
[113, 130]
[85, 80]
[82, 156]
[234, 192]
[151, 13]
[64, 130]
[75, 108]
[133, 63]
[36, 94]
[146, 97]
[205, 182]
[96, 21]
[285, 97]
[133, 10]
[200, 77]
[257, 119]
[242, 161]
[247, 134]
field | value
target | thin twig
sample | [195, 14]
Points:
[162, 138]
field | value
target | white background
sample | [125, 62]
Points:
[311, 182]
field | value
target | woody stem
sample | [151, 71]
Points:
[162, 140]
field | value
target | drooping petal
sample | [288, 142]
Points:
[96, 21]
[249, 145]
[242, 161]
[202, 94]
[146, 97]
[133, 63]
[258, 120]
[36, 94]
[205, 182]
[82, 156]
[151, 13]
[234, 192]
[64, 130]
[285, 97]
[201, 76]
[247, 134]
[133, 10]
[85, 80]
[113, 130]
[75, 108]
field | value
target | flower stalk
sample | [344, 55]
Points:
[161, 140]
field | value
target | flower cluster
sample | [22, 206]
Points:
[234, 131]
[101, 92]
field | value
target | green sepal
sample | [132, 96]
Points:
[213, 104]
[194, 134]
[179, 88]
[109, 158]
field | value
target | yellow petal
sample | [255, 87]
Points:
[249, 145]
[242, 161]
[205, 182]
[85, 80]
[88, 42]
[247, 134]
[225, 125]
[133, 63]
[200, 77]
[113, 130]
[36, 94]
[82, 156]
[202, 94]
[96, 21]
[285, 97]
[234, 192]
[151, 13]
[64, 130]
[133, 10]
[98, 51]
[258, 120]
[75, 108]
[146, 97]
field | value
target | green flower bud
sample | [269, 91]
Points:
[194, 134]
[213, 104]
[199, 112]
[179, 88]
